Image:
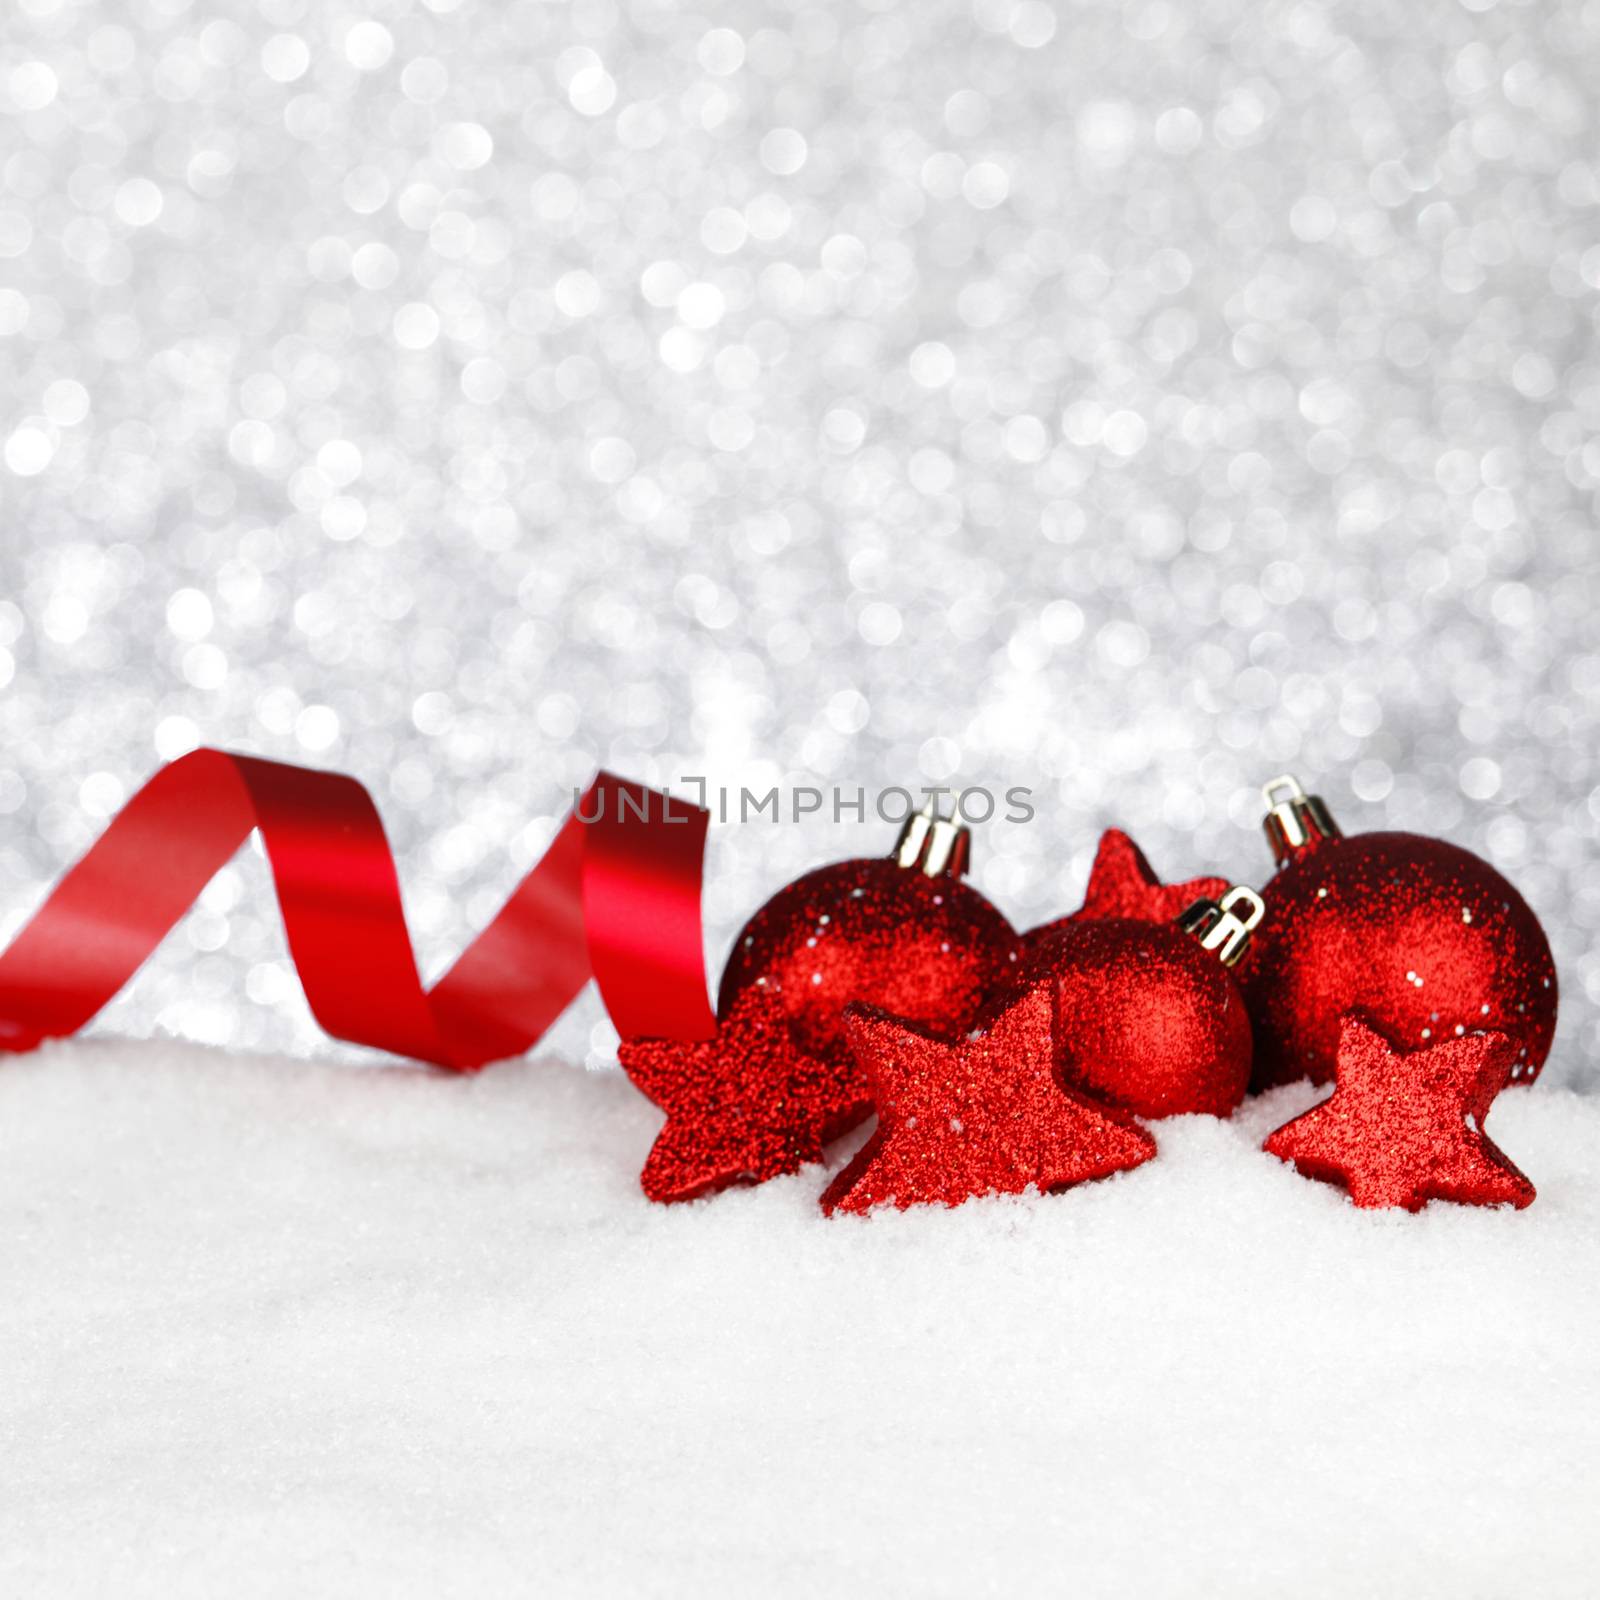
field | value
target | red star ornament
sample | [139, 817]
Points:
[743, 1106]
[1122, 883]
[1402, 1128]
[982, 1116]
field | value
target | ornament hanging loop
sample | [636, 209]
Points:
[1294, 818]
[939, 847]
[1224, 926]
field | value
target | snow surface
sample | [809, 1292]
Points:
[275, 1327]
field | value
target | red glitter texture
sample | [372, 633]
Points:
[1146, 1018]
[931, 950]
[1401, 1129]
[754, 1101]
[982, 1116]
[1425, 938]
[718, 1131]
[1122, 883]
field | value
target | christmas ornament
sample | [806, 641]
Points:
[1148, 1015]
[616, 897]
[1424, 937]
[717, 1131]
[1122, 883]
[902, 932]
[1402, 1128]
[984, 1115]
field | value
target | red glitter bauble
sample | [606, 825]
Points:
[929, 950]
[1147, 1019]
[779, 1079]
[1402, 1128]
[1425, 938]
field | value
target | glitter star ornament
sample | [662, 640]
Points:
[717, 1131]
[1122, 883]
[1403, 1128]
[1148, 1015]
[982, 1115]
[1425, 938]
[778, 1079]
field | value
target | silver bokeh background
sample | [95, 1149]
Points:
[1126, 401]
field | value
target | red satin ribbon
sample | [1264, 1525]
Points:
[616, 897]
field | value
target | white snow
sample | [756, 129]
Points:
[280, 1327]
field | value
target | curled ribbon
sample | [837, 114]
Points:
[616, 897]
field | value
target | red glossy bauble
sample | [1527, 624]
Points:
[1423, 937]
[1147, 1019]
[930, 950]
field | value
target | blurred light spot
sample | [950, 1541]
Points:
[783, 151]
[317, 727]
[879, 623]
[29, 451]
[368, 45]
[1480, 778]
[189, 614]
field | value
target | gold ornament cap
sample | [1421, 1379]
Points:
[1224, 926]
[1294, 818]
[938, 847]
